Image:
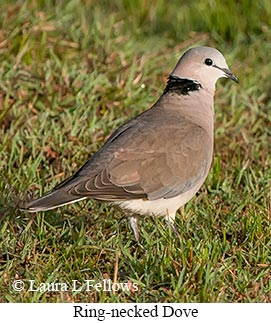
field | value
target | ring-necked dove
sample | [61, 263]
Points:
[156, 162]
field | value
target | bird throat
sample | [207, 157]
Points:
[181, 86]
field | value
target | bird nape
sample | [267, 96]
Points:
[156, 162]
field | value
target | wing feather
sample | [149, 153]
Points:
[152, 160]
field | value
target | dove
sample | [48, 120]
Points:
[156, 162]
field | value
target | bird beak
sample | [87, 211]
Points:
[228, 74]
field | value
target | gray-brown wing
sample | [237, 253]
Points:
[146, 160]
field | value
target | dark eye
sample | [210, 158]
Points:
[208, 61]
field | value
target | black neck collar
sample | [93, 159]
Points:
[181, 86]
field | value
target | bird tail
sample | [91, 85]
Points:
[50, 201]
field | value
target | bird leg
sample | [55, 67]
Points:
[133, 223]
[170, 219]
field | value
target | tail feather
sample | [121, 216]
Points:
[50, 201]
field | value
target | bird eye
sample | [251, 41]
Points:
[208, 61]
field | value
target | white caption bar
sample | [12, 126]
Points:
[184, 312]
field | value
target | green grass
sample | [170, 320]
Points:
[70, 73]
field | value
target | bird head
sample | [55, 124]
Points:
[204, 65]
